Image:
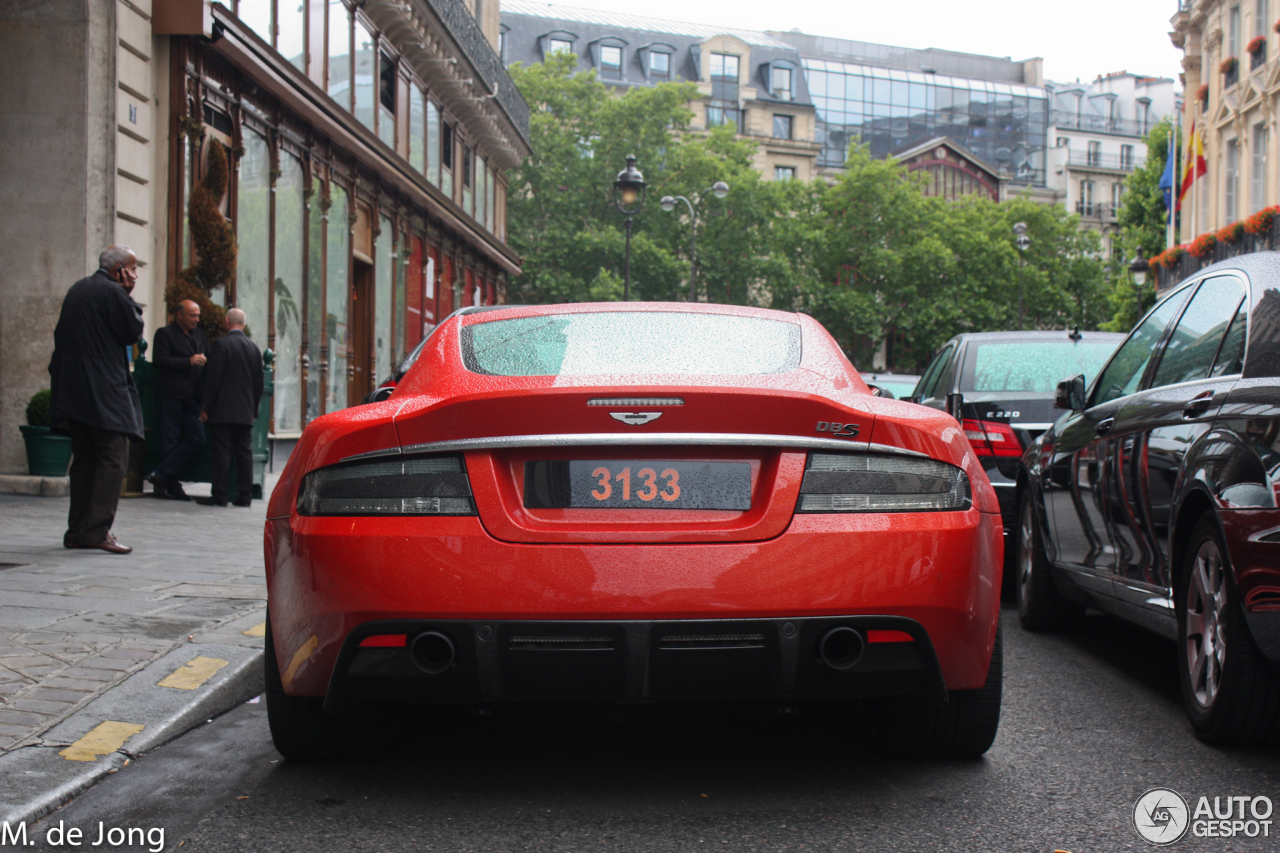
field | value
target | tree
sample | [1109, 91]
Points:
[1143, 218]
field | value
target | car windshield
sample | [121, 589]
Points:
[619, 342]
[1032, 366]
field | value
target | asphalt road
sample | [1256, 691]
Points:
[1091, 721]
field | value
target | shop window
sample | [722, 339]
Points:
[365, 73]
[315, 337]
[446, 158]
[290, 230]
[253, 234]
[782, 127]
[291, 33]
[337, 255]
[417, 128]
[339, 83]
[387, 77]
[434, 153]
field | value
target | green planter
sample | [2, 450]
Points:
[48, 454]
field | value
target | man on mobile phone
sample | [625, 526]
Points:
[94, 397]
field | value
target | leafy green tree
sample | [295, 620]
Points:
[1142, 217]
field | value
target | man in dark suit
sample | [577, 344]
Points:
[179, 358]
[94, 397]
[230, 394]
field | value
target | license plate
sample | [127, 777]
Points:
[637, 484]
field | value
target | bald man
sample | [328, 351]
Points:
[230, 394]
[179, 358]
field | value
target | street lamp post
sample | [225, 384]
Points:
[1138, 268]
[1023, 243]
[628, 196]
[719, 189]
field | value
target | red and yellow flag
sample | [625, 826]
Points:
[1196, 166]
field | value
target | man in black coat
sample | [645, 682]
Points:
[94, 397]
[230, 394]
[179, 358]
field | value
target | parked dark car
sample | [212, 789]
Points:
[1000, 386]
[1155, 498]
[895, 386]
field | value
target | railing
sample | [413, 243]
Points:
[1090, 210]
[1101, 161]
[1188, 264]
[1099, 124]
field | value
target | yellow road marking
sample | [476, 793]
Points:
[299, 658]
[195, 673]
[105, 739]
[259, 630]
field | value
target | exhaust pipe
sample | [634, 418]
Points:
[433, 652]
[840, 648]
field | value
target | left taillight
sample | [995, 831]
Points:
[992, 438]
[408, 485]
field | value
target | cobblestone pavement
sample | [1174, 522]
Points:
[75, 623]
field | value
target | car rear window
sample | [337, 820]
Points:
[1032, 366]
[619, 342]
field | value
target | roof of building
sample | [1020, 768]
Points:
[616, 21]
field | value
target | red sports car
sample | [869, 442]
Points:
[635, 503]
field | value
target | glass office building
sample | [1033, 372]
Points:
[1003, 124]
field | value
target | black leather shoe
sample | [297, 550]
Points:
[210, 501]
[175, 493]
[158, 484]
[243, 502]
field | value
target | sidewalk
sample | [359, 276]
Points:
[105, 656]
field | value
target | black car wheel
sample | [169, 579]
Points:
[1040, 606]
[300, 728]
[965, 727]
[1230, 691]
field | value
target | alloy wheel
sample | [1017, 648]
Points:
[1206, 647]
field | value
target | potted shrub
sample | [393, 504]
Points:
[48, 453]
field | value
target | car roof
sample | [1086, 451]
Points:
[1037, 335]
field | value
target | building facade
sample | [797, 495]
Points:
[1097, 134]
[1232, 79]
[369, 144]
[750, 80]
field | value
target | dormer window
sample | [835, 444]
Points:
[655, 61]
[780, 82]
[557, 41]
[610, 62]
[724, 77]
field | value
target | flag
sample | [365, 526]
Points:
[1166, 180]
[1196, 166]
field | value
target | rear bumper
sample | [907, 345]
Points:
[484, 662]
[329, 578]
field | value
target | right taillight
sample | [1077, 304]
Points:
[874, 482]
[992, 438]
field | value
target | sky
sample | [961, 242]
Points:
[1081, 39]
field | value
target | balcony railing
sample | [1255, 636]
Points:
[1091, 210]
[1099, 124]
[1088, 159]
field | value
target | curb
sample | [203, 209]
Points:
[36, 780]
[46, 487]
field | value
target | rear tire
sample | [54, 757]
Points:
[1040, 606]
[301, 729]
[1229, 689]
[963, 728]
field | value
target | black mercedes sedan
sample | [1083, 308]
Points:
[1155, 496]
[1000, 386]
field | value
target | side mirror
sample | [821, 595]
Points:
[877, 391]
[955, 405]
[910, 398]
[1070, 394]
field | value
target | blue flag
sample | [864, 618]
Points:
[1166, 183]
